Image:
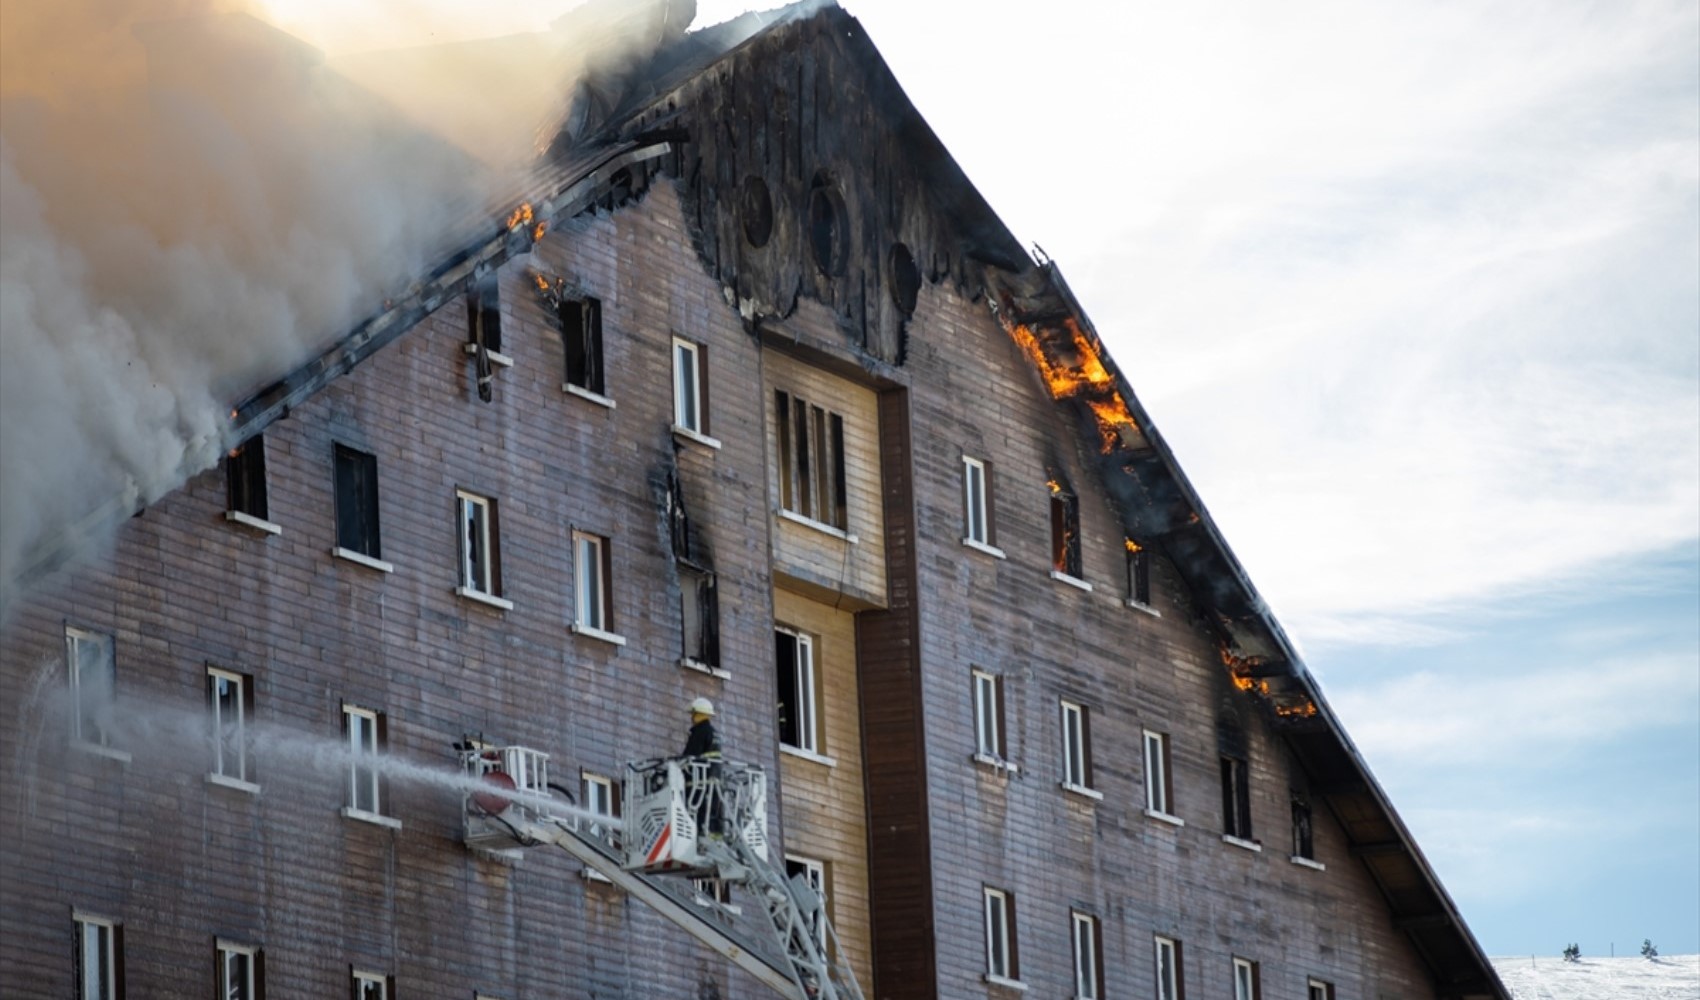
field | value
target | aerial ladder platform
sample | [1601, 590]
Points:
[681, 820]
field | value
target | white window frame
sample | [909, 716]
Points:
[687, 387]
[1245, 979]
[105, 969]
[988, 714]
[1168, 955]
[476, 529]
[814, 871]
[598, 791]
[592, 608]
[1159, 797]
[361, 979]
[227, 951]
[1087, 955]
[225, 771]
[362, 776]
[808, 693]
[1075, 749]
[84, 688]
[1318, 989]
[977, 506]
[999, 964]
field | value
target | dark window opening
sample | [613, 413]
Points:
[1065, 531]
[357, 502]
[1304, 845]
[581, 330]
[798, 708]
[701, 608]
[905, 279]
[1236, 798]
[827, 231]
[756, 210]
[484, 313]
[1138, 574]
[811, 460]
[245, 478]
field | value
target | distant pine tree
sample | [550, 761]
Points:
[1648, 950]
[1572, 953]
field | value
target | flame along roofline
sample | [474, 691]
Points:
[1045, 319]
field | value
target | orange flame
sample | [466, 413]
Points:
[522, 214]
[1303, 711]
[542, 282]
[1087, 375]
[537, 233]
[1133, 546]
[1056, 487]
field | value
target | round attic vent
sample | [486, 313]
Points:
[827, 225]
[756, 209]
[905, 279]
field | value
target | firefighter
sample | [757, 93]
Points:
[703, 745]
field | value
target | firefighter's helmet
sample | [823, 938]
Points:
[702, 706]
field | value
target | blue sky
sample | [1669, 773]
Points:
[1414, 292]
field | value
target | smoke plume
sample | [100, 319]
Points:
[191, 202]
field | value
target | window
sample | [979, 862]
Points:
[1236, 799]
[357, 503]
[1076, 748]
[372, 985]
[480, 564]
[1304, 845]
[230, 700]
[239, 976]
[717, 890]
[988, 716]
[1246, 984]
[484, 313]
[600, 799]
[799, 707]
[93, 672]
[689, 409]
[1065, 532]
[977, 503]
[367, 734]
[1138, 575]
[1170, 984]
[811, 460]
[581, 331]
[593, 574]
[245, 480]
[1088, 957]
[813, 874]
[1157, 774]
[701, 617]
[1000, 935]
[100, 958]
[1316, 989]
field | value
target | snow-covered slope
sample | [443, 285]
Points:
[1676, 977]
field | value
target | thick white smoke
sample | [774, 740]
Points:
[191, 202]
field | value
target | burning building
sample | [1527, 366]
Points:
[751, 398]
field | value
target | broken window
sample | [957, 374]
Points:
[689, 388]
[484, 313]
[100, 958]
[813, 874]
[357, 502]
[592, 583]
[1169, 983]
[238, 971]
[1304, 845]
[1236, 798]
[799, 707]
[988, 715]
[1000, 934]
[476, 520]
[1076, 747]
[1088, 956]
[367, 735]
[1157, 774]
[1138, 574]
[581, 332]
[701, 616]
[1065, 532]
[245, 479]
[811, 461]
[976, 502]
[230, 701]
[93, 673]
